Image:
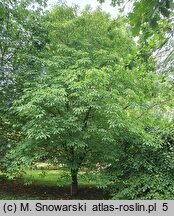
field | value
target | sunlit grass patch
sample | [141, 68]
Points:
[55, 178]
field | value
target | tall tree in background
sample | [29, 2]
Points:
[21, 37]
[152, 21]
[149, 165]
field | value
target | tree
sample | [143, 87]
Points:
[144, 11]
[141, 164]
[20, 29]
[149, 21]
[79, 107]
[91, 97]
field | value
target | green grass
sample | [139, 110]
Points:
[46, 184]
[55, 178]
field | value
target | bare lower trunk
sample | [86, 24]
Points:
[74, 182]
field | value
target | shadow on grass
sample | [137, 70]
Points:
[13, 190]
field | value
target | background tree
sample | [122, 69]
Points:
[21, 36]
[149, 164]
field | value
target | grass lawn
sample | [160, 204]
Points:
[55, 178]
[48, 184]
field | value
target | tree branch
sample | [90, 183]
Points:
[87, 117]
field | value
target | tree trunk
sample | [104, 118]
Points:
[74, 182]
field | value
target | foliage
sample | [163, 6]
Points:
[144, 12]
[141, 171]
[20, 29]
[152, 13]
[84, 94]
[146, 186]
[81, 102]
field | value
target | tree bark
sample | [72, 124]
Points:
[74, 182]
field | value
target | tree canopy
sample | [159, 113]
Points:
[78, 90]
